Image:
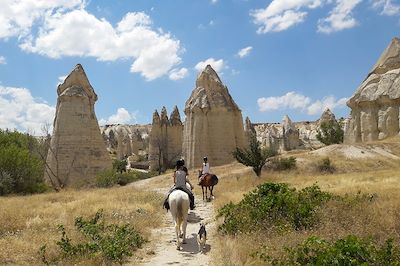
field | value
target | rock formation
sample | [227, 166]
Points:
[214, 123]
[126, 140]
[77, 151]
[327, 116]
[290, 134]
[165, 142]
[375, 105]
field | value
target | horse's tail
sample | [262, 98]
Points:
[214, 180]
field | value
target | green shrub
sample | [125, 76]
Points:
[255, 156]
[119, 165]
[350, 250]
[330, 132]
[21, 168]
[325, 166]
[111, 178]
[111, 242]
[280, 164]
[271, 205]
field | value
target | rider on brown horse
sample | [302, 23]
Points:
[205, 170]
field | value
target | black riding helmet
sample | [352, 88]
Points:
[205, 159]
[180, 163]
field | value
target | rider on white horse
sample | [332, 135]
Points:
[180, 180]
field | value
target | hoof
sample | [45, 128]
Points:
[178, 248]
[184, 241]
[181, 235]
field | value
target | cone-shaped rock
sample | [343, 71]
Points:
[327, 116]
[77, 150]
[213, 125]
[375, 105]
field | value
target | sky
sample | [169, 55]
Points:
[278, 57]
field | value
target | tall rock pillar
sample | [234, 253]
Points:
[214, 123]
[77, 150]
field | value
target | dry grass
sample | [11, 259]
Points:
[379, 218]
[28, 222]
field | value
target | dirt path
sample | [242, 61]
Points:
[164, 237]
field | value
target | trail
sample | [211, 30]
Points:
[164, 237]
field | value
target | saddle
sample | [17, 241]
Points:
[166, 203]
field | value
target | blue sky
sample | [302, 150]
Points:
[277, 57]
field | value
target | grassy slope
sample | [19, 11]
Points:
[380, 219]
[29, 222]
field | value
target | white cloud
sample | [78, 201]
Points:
[244, 52]
[340, 17]
[330, 102]
[20, 110]
[217, 65]
[388, 7]
[280, 15]
[3, 60]
[176, 74]
[293, 100]
[214, 1]
[60, 28]
[18, 16]
[121, 117]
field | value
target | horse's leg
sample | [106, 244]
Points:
[202, 190]
[211, 191]
[207, 188]
[184, 224]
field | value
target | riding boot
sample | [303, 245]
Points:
[166, 203]
[192, 206]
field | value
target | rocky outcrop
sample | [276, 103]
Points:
[77, 151]
[214, 123]
[290, 134]
[165, 142]
[327, 117]
[127, 140]
[376, 103]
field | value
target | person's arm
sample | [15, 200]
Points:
[187, 180]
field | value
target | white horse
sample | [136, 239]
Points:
[179, 207]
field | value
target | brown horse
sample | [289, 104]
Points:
[209, 181]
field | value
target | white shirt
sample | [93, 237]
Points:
[206, 168]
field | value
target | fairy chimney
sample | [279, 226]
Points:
[214, 124]
[77, 150]
[290, 134]
[376, 103]
[165, 139]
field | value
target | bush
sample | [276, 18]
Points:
[273, 204]
[119, 165]
[21, 168]
[330, 132]
[325, 166]
[280, 164]
[111, 242]
[350, 250]
[111, 178]
[255, 156]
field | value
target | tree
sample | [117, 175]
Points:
[255, 156]
[330, 132]
[21, 169]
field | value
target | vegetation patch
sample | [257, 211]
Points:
[111, 177]
[273, 205]
[325, 166]
[350, 250]
[21, 164]
[110, 242]
[280, 164]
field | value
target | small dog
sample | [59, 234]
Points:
[202, 237]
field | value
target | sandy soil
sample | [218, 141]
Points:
[165, 252]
